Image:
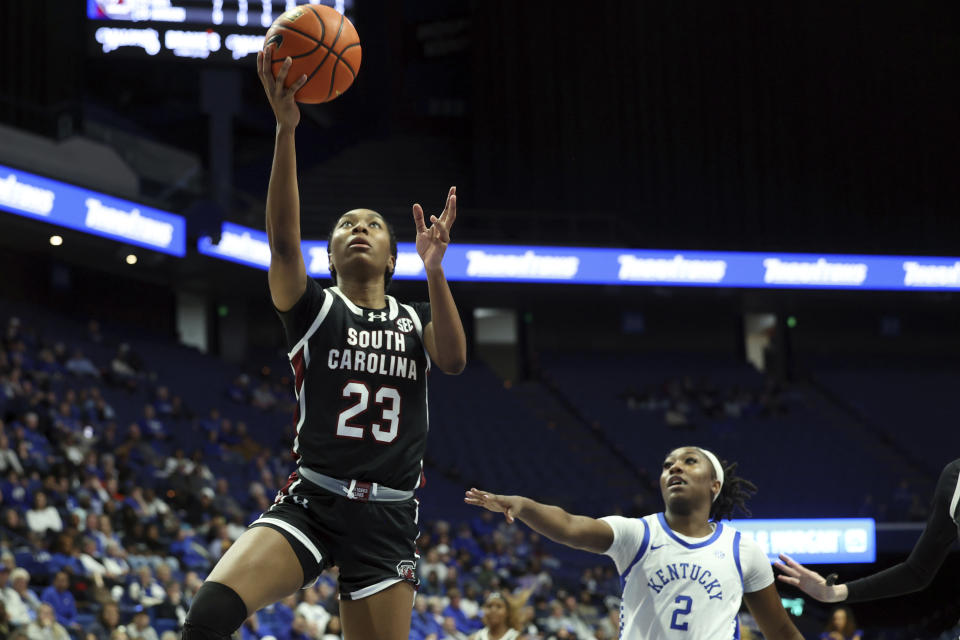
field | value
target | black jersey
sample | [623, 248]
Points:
[942, 530]
[360, 377]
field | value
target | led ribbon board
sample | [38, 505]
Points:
[65, 205]
[814, 541]
[198, 29]
[578, 265]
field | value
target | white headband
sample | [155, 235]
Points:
[717, 468]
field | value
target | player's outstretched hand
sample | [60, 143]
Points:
[509, 506]
[281, 100]
[432, 241]
[810, 582]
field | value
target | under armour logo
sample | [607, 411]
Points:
[300, 500]
[371, 316]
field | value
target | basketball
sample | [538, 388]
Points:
[323, 45]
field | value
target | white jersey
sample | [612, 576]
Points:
[484, 634]
[681, 588]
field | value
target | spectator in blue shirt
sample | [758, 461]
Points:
[423, 622]
[453, 610]
[59, 597]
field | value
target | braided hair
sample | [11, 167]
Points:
[388, 274]
[733, 494]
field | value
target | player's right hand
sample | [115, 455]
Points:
[810, 582]
[509, 506]
[281, 100]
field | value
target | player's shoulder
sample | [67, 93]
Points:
[949, 478]
[952, 470]
[624, 525]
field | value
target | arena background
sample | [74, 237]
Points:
[797, 128]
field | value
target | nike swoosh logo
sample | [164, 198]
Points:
[655, 547]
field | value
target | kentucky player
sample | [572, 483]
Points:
[683, 572]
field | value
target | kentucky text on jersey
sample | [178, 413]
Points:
[686, 571]
[373, 362]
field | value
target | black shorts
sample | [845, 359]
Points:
[372, 543]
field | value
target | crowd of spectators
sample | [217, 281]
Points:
[109, 523]
[688, 401]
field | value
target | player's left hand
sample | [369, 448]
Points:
[432, 241]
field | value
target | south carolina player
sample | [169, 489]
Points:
[361, 361]
[682, 572]
[913, 574]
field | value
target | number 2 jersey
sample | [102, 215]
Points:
[360, 378]
[678, 587]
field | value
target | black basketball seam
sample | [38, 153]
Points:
[299, 55]
[347, 64]
[333, 74]
[304, 33]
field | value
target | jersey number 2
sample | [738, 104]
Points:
[383, 433]
[686, 602]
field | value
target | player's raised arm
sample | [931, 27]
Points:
[287, 275]
[579, 532]
[444, 337]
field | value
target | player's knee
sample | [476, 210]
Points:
[216, 612]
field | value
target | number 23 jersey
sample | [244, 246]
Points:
[360, 378]
[680, 587]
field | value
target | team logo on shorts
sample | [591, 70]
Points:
[407, 570]
[405, 324]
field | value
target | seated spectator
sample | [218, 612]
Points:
[450, 630]
[115, 563]
[80, 365]
[136, 447]
[239, 389]
[455, 610]
[145, 590]
[173, 607]
[66, 557]
[334, 631]
[13, 523]
[162, 402]
[262, 397]
[20, 580]
[314, 615]
[6, 627]
[106, 623]
[422, 621]
[610, 624]
[466, 541]
[434, 565]
[58, 596]
[46, 627]
[151, 425]
[558, 619]
[17, 612]
[140, 628]
[841, 626]
[9, 460]
[298, 630]
[277, 619]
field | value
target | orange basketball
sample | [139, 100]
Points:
[323, 44]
